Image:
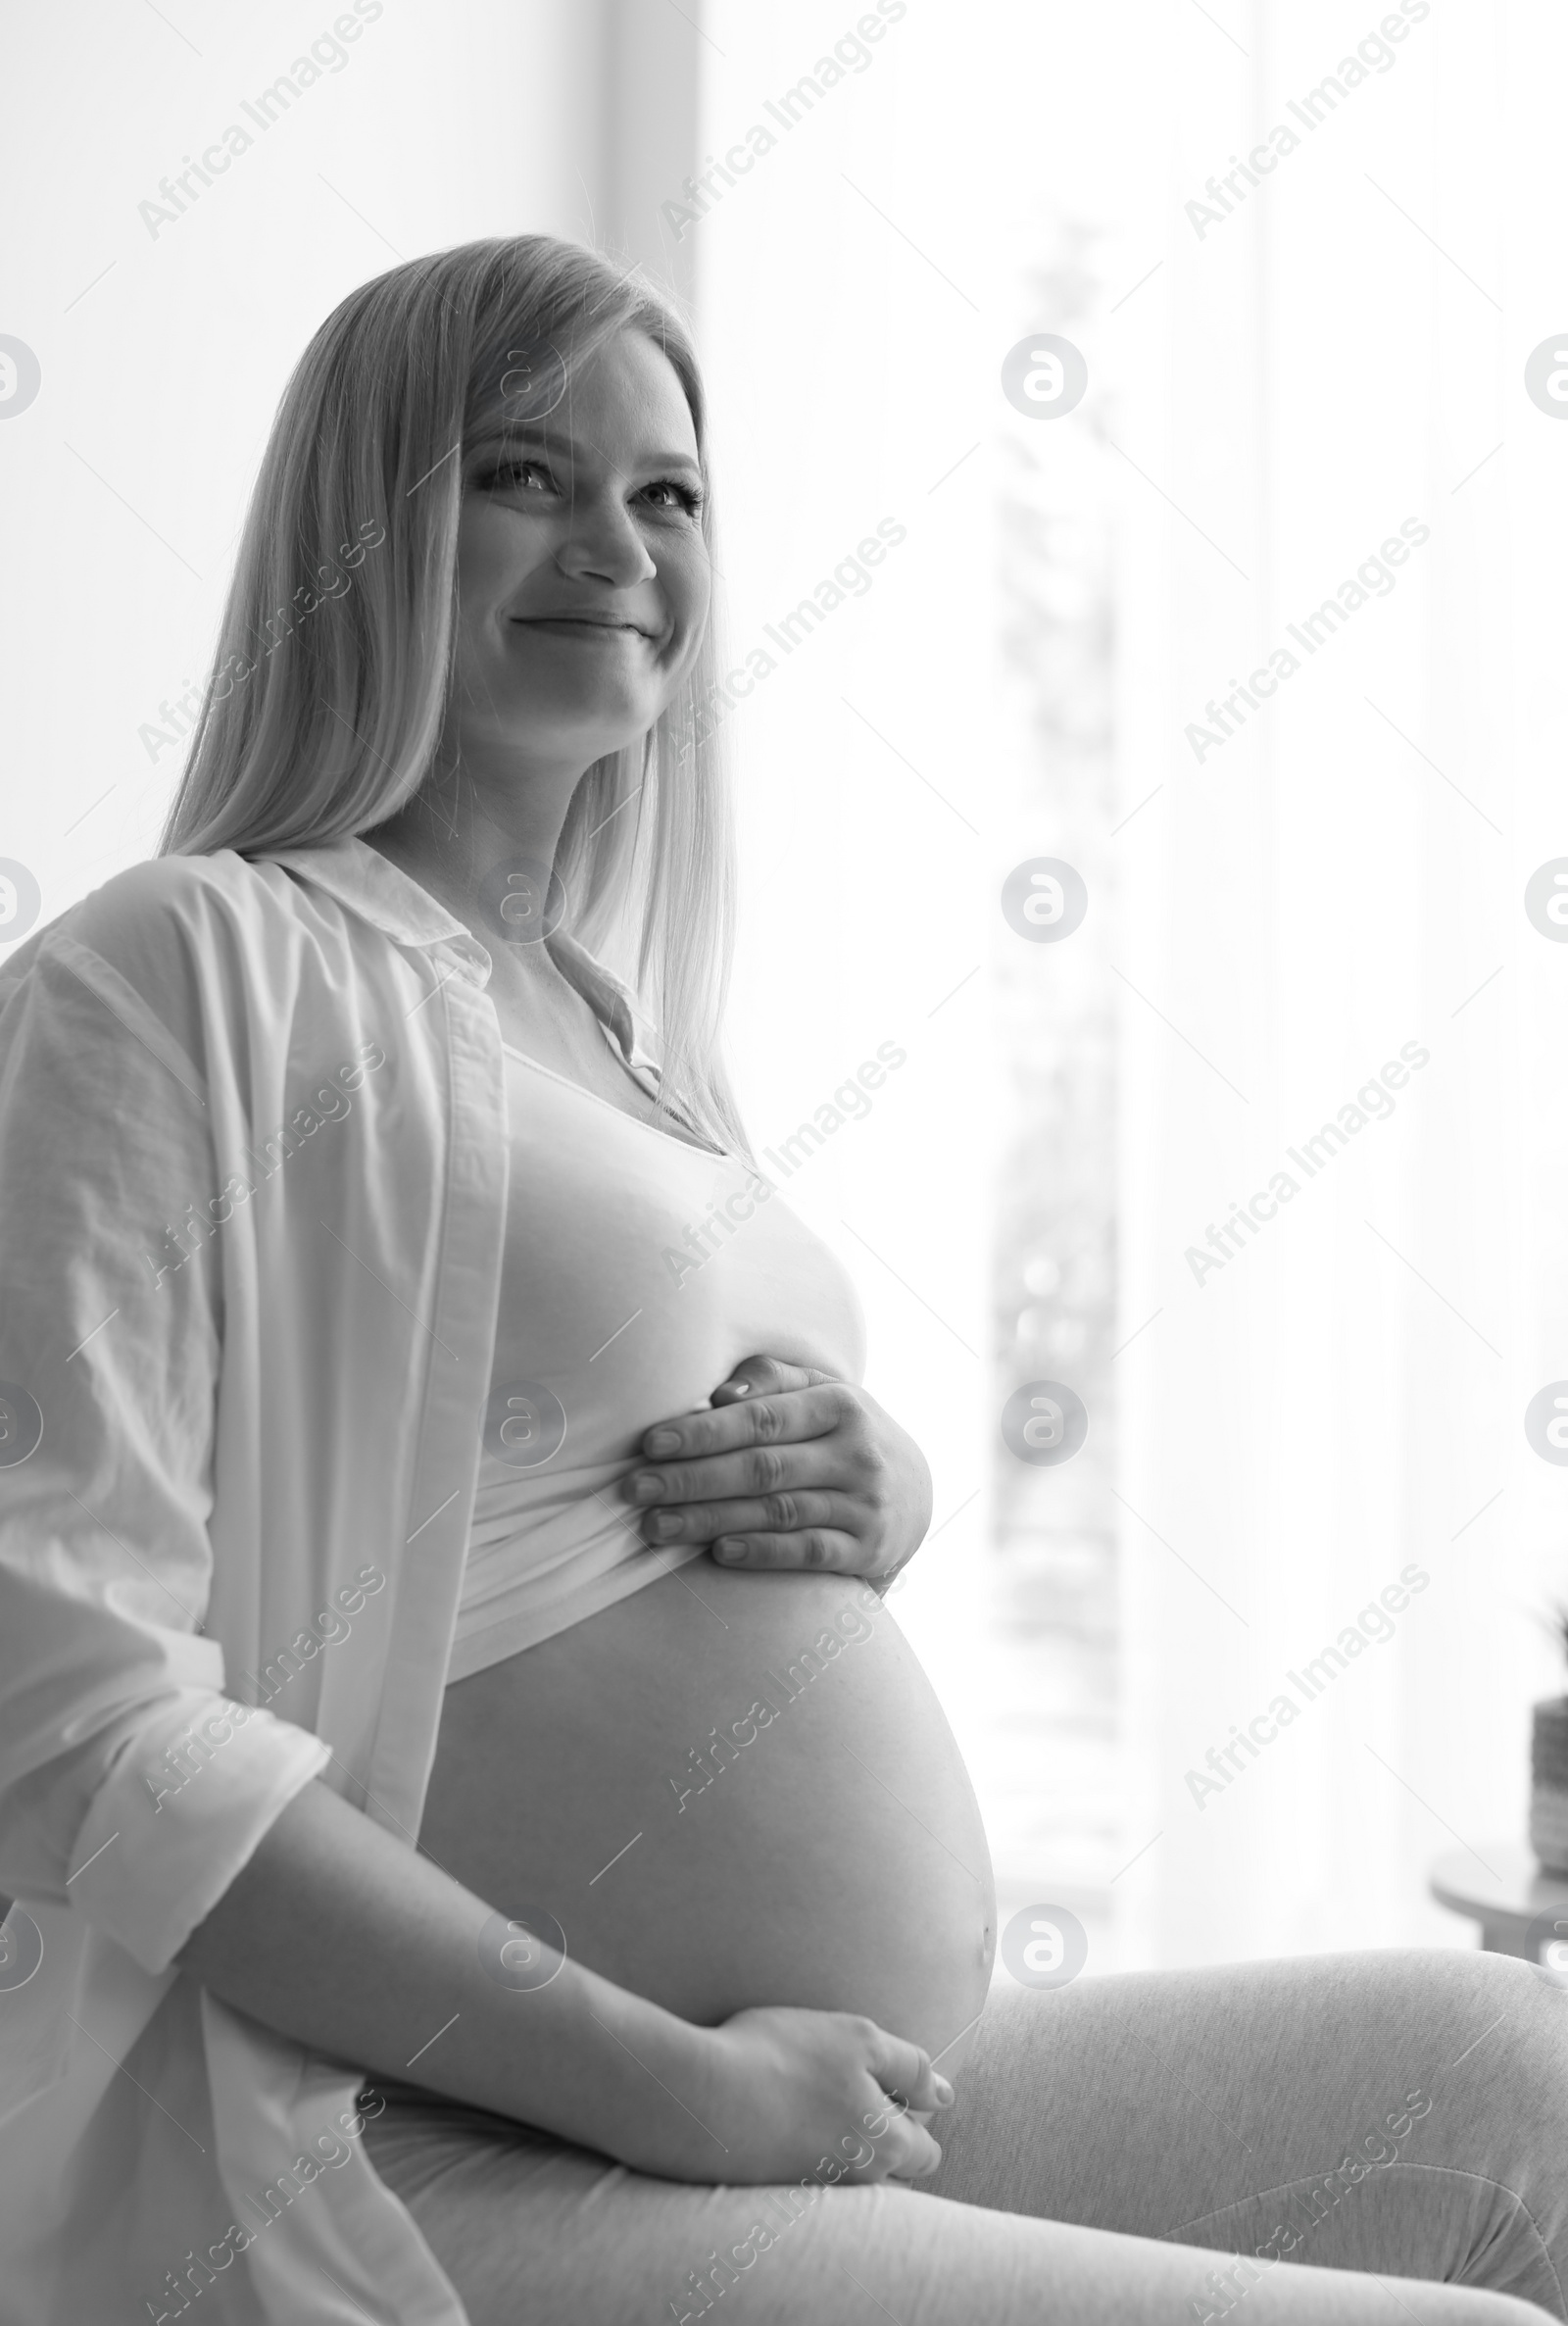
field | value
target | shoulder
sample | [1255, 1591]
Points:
[166, 910]
[168, 942]
[179, 898]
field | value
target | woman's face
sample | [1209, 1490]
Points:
[582, 573]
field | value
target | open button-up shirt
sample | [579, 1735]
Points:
[253, 1175]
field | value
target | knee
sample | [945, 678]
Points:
[1472, 2305]
[1510, 2033]
[1503, 2092]
[1496, 2007]
[1464, 1973]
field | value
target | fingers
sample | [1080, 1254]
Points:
[900, 2144]
[818, 1551]
[905, 2072]
[784, 1416]
[887, 2141]
[783, 1513]
[825, 1464]
[909, 2152]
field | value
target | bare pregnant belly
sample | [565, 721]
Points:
[729, 1789]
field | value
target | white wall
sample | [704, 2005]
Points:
[162, 353]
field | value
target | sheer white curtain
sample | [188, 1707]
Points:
[1306, 391]
[1328, 370]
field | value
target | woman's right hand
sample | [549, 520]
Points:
[783, 2092]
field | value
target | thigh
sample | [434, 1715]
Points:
[1402, 2111]
[533, 2232]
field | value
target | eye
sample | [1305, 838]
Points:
[512, 475]
[689, 497]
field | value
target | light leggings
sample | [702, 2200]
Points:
[1381, 2136]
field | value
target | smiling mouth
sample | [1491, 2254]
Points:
[580, 622]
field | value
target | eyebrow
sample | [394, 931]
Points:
[530, 431]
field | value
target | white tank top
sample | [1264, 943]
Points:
[637, 1271]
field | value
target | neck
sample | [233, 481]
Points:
[458, 836]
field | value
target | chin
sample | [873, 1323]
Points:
[543, 727]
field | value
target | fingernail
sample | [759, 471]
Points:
[730, 1550]
[646, 1486]
[660, 1441]
[743, 1388]
[663, 1524]
[942, 2090]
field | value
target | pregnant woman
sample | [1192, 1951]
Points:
[483, 1849]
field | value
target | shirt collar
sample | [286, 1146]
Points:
[381, 892]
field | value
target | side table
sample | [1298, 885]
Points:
[1501, 1888]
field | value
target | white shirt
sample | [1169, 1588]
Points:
[258, 1354]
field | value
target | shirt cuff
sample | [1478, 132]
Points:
[180, 1813]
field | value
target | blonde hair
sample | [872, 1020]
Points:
[333, 737]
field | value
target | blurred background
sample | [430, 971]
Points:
[1166, 345]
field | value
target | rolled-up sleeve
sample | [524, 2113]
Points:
[131, 1786]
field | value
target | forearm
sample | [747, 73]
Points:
[339, 1936]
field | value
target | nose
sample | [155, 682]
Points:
[603, 544]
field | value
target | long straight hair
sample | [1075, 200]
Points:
[348, 562]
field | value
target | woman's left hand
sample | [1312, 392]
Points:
[791, 1468]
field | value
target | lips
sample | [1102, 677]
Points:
[582, 621]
